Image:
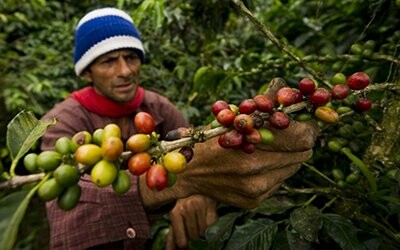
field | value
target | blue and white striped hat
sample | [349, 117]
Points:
[101, 31]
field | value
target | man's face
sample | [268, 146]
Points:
[115, 75]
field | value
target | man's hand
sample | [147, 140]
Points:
[245, 180]
[236, 178]
[189, 220]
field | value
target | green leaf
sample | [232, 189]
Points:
[274, 205]
[221, 230]
[254, 234]
[307, 222]
[12, 210]
[342, 231]
[22, 133]
[159, 14]
[207, 78]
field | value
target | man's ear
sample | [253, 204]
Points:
[87, 75]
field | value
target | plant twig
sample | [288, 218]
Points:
[312, 168]
[278, 43]
[20, 180]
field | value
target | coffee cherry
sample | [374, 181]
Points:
[138, 143]
[30, 162]
[253, 136]
[63, 145]
[122, 183]
[139, 163]
[286, 96]
[258, 120]
[111, 130]
[343, 109]
[234, 108]
[179, 133]
[174, 161]
[157, 177]
[243, 123]
[69, 198]
[79, 139]
[48, 160]
[363, 104]
[302, 117]
[307, 86]
[263, 103]
[340, 91]
[247, 106]
[326, 114]
[370, 44]
[337, 174]
[98, 136]
[219, 105]
[358, 80]
[279, 120]
[298, 96]
[49, 190]
[171, 178]
[230, 139]
[213, 124]
[66, 175]
[320, 97]
[334, 146]
[356, 49]
[104, 173]
[188, 152]
[338, 78]
[266, 135]
[112, 148]
[144, 123]
[353, 178]
[88, 154]
[226, 117]
[248, 147]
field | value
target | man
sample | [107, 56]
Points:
[109, 54]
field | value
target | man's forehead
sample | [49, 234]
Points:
[118, 52]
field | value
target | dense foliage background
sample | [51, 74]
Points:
[201, 51]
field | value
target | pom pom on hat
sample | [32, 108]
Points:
[101, 31]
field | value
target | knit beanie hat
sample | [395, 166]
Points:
[101, 31]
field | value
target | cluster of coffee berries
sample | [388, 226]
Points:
[248, 119]
[160, 170]
[104, 156]
[320, 98]
[97, 153]
[246, 122]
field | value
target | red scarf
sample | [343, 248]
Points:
[102, 105]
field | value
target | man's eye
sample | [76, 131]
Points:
[108, 61]
[132, 57]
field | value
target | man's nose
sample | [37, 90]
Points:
[123, 68]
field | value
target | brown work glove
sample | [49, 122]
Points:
[245, 180]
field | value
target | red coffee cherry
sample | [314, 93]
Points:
[363, 104]
[226, 117]
[340, 91]
[247, 106]
[320, 97]
[243, 123]
[264, 103]
[279, 120]
[219, 105]
[358, 80]
[307, 86]
[286, 96]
